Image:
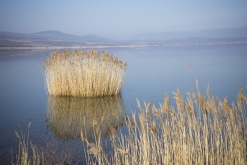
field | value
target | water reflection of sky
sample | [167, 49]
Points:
[150, 73]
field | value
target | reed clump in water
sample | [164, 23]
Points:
[81, 73]
[67, 115]
[199, 130]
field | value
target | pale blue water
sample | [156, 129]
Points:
[150, 73]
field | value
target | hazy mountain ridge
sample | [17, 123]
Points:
[53, 38]
[51, 34]
[214, 33]
[57, 34]
[48, 38]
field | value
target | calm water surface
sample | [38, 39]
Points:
[150, 73]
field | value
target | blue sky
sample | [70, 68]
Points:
[118, 19]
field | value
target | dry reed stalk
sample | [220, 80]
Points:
[211, 132]
[30, 154]
[81, 73]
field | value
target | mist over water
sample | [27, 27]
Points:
[150, 73]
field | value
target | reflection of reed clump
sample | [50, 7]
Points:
[81, 73]
[66, 116]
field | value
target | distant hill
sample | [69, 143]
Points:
[48, 38]
[60, 35]
[56, 39]
[51, 35]
[11, 35]
[215, 33]
[92, 37]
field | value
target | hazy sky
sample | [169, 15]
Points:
[120, 18]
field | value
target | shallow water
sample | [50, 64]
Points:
[150, 73]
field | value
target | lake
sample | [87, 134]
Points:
[150, 73]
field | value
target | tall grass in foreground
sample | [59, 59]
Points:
[66, 115]
[65, 118]
[81, 73]
[199, 130]
[30, 154]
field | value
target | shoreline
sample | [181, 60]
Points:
[121, 46]
[70, 47]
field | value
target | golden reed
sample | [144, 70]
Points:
[198, 130]
[82, 73]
